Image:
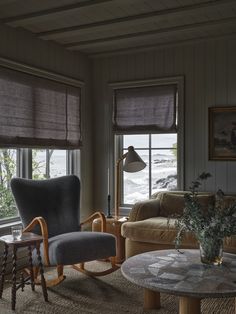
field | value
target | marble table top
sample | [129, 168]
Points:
[182, 273]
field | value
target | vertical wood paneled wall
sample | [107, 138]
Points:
[209, 69]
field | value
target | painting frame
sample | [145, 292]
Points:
[222, 133]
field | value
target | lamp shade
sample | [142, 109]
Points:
[133, 162]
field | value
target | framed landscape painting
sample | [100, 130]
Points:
[222, 133]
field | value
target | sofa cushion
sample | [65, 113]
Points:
[156, 230]
[173, 204]
[145, 209]
[230, 244]
[228, 200]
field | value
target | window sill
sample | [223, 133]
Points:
[125, 210]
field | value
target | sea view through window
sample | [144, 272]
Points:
[159, 152]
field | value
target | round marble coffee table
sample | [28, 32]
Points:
[181, 274]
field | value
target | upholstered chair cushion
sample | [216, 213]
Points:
[75, 247]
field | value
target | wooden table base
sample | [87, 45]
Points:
[29, 240]
[188, 305]
[151, 300]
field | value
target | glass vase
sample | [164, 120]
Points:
[211, 251]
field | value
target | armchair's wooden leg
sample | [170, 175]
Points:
[80, 267]
[59, 270]
[59, 279]
[50, 282]
[113, 261]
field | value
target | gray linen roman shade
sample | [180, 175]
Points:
[38, 112]
[145, 109]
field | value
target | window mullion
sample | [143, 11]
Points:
[18, 162]
[68, 162]
[121, 152]
[25, 158]
[72, 162]
[47, 164]
[150, 165]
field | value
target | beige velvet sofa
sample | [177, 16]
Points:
[147, 229]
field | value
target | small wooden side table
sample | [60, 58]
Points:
[29, 240]
[113, 226]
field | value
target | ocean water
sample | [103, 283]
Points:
[136, 185]
[163, 173]
[57, 163]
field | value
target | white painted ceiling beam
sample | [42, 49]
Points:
[158, 32]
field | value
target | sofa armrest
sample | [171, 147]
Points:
[144, 210]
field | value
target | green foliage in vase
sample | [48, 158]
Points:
[217, 222]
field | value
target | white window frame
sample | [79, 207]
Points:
[149, 150]
[117, 144]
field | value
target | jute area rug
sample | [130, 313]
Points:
[111, 294]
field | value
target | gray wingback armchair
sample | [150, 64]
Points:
[51, 208]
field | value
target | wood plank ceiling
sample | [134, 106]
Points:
[103, 26]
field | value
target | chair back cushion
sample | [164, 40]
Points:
[56, 200]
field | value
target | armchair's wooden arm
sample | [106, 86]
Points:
[44, 231]
[92, 217]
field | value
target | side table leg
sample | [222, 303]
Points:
[43, 283]
[13, 289]
[22, 281]
[151, 299]
[4, 263]
[188, 305]
[31, 269]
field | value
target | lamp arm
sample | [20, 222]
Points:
[117, 186]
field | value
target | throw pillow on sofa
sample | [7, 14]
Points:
[173, 204]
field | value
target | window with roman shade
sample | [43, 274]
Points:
[145, 109]
[149, 115]
[38, 112]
